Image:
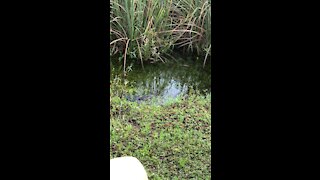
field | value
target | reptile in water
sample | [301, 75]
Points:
[138, 98]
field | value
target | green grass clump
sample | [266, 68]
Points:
[148, 30]
[173, 140]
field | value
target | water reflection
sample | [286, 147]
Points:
[169, 80]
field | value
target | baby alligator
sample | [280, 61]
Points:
[138, 98]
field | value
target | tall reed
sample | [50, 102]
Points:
[151, 29]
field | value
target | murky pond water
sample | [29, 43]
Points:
[168, 80]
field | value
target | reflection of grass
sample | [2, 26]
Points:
[173, 141]
[190, 74]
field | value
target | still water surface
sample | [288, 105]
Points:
[168, 80]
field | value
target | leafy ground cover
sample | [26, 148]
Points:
[172, 140]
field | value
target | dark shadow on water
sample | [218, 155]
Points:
[168, 80]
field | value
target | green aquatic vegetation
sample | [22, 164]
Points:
[172, 140]
[149, 30]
